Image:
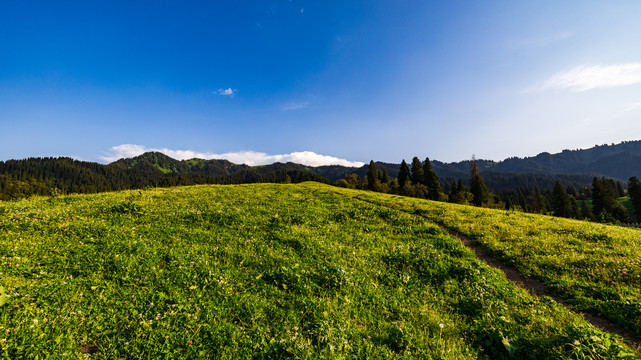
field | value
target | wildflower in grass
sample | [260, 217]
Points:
[189, 342]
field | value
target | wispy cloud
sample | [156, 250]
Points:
[294, 106]
[251, 158]
[226, 92]
[588, 77]
[632, 106]
[541, 41]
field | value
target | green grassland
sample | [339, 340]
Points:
[596, 267]
[305, 271]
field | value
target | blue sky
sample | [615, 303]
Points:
[317, 81]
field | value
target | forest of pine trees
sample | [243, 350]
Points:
[605, 200]
[47, 176]
[600, 202]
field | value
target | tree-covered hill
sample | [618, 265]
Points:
[620, 161]
[41, 176]
[574, 168]
[46, 176]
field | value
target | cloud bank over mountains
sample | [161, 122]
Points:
[251, 158]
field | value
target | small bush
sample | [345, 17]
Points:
[126, 207]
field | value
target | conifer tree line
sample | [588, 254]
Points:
[605, 200]
[60, 176]
[600, 202]
[418, 181]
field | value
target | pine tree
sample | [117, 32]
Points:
[430, 180]
[372, 176]
[459, 194]
[417, 171]
[480, 192]
[561, 201]
[586, 211]
[385, 179]
[606, 207]
[598, 203]
[634, 190]
[574, 208]
[538, 202]
[403, 174]
[453, 188]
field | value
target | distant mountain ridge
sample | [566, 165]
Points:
[576, 168]
[571, 167]
[620, 161]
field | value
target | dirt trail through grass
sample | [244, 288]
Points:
[535, 286]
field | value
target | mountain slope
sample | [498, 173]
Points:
[620, 161]
[20, 178]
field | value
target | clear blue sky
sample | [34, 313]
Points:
[282, 80]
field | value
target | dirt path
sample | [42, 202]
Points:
[537, 287]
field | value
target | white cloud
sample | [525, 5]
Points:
[123, 151]
[250, 158]
[588, 77]
[226, 92]
[294, 106]
[633, 106]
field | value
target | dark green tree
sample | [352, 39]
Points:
[538, 203]
[480, 193]
[372, 176]
[430, 180]
[586, 211]
[508, 204]
[561, 205]
[605, 202]
[354, 181]
[598, 196]
[634, 190]
[620, 189]
[574, 208]
[403, 174]
[417, 171]
[459, 194]
[385, 177]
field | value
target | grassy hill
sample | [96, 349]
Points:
[595, 267]
[269, 271]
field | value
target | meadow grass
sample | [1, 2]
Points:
[262, 271]
[595, 267]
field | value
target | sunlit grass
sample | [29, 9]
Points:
[596, 267]
[260, 271]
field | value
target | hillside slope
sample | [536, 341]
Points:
[262, 271]
[595, 267]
